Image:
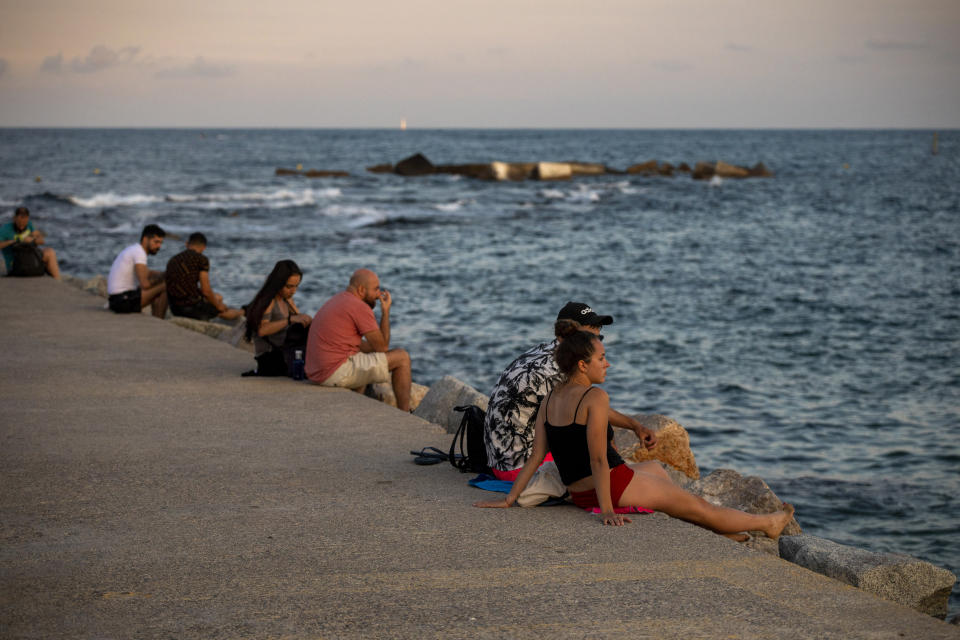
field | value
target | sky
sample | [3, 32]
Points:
[497, 63]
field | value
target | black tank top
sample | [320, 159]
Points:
[569, 447]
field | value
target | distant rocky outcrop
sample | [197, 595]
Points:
[419, 165]
[415, 165]
[651, 168]
[707, 170]
[311, 173]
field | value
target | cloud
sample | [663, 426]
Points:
[52, 64]
[4, 65]
[672, 66]
[895, 45]
[737, 47]
[100, 57]
[199, 68]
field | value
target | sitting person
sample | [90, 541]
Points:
[188, 284]
[573, 424]
[512, 409]
[131, 286]
[274, 324]
[21, 231]
[346, 347]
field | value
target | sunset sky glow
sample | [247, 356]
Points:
[436, 63]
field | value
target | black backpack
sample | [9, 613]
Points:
[474, 459]
[27, 260]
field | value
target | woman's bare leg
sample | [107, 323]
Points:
[654, 492]
[652, 467]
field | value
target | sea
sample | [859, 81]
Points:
[804, 328]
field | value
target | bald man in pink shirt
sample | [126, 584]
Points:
[346, 347]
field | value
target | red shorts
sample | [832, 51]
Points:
[511, 475]
[620, 477]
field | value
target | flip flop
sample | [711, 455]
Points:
[429, 455]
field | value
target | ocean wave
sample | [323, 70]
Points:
[284, 197]
[450, 207]
[580, 194]
[111, 199]
[356, 215]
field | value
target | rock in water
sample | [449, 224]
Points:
[703, 171]
[415, 165]
[725, 170]
[648, 168]
[552, 171]
[760, 170]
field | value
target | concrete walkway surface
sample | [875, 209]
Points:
[148, 491]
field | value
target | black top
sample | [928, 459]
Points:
[183, 278]
[569, 447]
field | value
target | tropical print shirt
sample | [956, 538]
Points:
[512, 411]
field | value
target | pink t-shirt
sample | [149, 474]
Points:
[335, 334]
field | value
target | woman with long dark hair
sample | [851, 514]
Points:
[274, 323]
[572, 423]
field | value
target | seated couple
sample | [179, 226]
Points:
[573, 424]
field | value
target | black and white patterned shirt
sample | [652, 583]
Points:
[512, 411]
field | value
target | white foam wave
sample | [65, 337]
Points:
[450, 207]
[111, 199]
[356, 215]
[553, 194]
[583, 194]
[277, 198]
[716, 181]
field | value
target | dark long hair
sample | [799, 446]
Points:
[275, 281]
[576, 346]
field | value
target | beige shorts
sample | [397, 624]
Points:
[360, 369]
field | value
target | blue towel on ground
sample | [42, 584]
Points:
[489, 483]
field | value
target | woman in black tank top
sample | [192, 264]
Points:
[572, 424]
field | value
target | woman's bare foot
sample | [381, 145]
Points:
[737, 537]
[779, 521]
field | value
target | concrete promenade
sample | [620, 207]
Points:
[148, 491]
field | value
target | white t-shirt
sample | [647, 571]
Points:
[122, 276]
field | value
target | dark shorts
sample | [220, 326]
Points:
[126, 302]
[620, 477]
[203, 310]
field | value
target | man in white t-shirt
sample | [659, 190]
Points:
[131, 286]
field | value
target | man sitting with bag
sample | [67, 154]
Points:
[21, 254]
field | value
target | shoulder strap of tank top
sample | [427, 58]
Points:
[546, 406]
[577, 410]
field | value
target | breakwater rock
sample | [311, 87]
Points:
[891, 576]
[438, 403]
[96, 285]
[419, 165]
